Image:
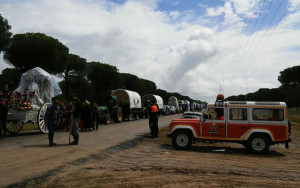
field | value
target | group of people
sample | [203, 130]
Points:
[52, 117]
[77, 115]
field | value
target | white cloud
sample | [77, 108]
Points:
[215, 11]
[185, 57]
[174, 14]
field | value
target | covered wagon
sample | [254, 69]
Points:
[130, 102]
[28, 103]
[147, 101]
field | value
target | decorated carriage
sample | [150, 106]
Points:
[28, 103]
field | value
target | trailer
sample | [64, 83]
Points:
[181, 106]
[174, 102]
[187, 105]
[29, 102]
[130, 102]
[147, 102]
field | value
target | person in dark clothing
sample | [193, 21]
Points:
[153, 120]
[75, 116]
[3, 118]
[86, 116]
[96, 115]
[51, 119]
[3, 114]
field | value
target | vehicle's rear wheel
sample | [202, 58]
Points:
[258, 144]
[14, 126]
[182, 140]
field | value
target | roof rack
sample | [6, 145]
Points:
[267, 103]
[237, 102]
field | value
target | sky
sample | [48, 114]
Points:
[198, 48]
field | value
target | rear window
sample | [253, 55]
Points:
[238, 114]
[268, 114]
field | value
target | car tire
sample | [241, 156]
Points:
[258, 144]
[182, 140]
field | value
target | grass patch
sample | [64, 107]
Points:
[294, 115]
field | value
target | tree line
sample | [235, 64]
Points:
[289, 91]
[93, 81]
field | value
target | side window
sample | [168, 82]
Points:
[215, 113]
[238, 114]
[268, 114]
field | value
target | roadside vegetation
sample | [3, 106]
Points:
[294, 115]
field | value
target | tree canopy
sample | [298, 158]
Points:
[75, 66]
[93, 81]
[29, 50]
[11, 77]
[290, 75]
[104, 77]
[5, 35]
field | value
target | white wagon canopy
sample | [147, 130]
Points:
[40, 81]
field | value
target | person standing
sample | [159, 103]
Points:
[96, 115]
[75, 116]
[153, 120]
[3, 117]
[86, 115]
[4, 98]
[51, 119]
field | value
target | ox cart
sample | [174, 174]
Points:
[38, 88]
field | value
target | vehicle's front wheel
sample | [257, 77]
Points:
[182, 140]
[258, 144]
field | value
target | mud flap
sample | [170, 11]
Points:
[286, 144]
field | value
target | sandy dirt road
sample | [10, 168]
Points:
[28, 155]
[139, 161]
[155, 163]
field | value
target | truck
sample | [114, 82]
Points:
[255, 125]
[147, 102]
[130, 102]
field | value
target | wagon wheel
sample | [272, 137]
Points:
[41, 116]
[14, 126]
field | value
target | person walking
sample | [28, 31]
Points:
[153, 120]
[51, 119]
[75, 116]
